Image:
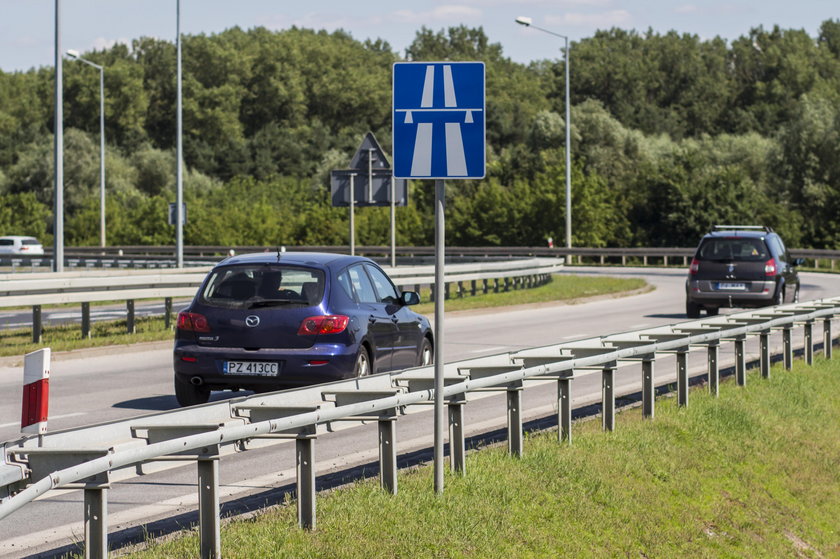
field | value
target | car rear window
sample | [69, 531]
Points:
[738, 249]
[30, 242]
[261, 285]
[6, 242]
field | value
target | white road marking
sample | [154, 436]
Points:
[75, 414]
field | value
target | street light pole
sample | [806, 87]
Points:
[58, 148]
[179, 173]
[75, 54]
[527, 22]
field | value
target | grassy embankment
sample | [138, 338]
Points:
[751, 474]
[63, 338]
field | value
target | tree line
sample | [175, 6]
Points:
[670, 135]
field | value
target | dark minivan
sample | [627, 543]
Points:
[268, 321]
[740, 266]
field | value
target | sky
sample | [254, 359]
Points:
[27, 27]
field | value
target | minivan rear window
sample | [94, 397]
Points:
[733, 249]
[261, 285]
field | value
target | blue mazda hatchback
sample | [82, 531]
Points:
[269, 321]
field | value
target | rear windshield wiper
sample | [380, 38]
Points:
[273, 303]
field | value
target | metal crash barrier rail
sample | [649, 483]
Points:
[37, 290]
[92, 457]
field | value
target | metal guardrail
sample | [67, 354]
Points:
[92, 457]
[38, 289]
[163, 256]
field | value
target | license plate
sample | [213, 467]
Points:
[255, 368]
[732, 286]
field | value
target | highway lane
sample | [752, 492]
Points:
[97, 386]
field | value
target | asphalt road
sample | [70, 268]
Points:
[100, 385]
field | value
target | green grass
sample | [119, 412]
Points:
[62, 338]
[561, 288]
[751, 474]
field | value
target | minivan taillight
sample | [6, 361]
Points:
[770, 268]
[695, 266]
[192, 322]
[327, 324]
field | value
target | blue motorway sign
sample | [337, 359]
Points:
[439, 114]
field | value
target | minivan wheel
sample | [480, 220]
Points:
[692, 310]
[189, 394]
[362, 367]
[427, 356]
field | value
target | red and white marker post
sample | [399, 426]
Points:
[36, 391]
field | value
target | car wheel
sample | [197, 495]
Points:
[189, 394]
[362, 367]
[427, 355]
[692, 310]
[712, 311]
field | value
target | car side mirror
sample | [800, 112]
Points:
[409, 298]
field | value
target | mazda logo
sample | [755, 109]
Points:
[252, 321]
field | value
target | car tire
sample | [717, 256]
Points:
[362, 366]
[712, 311]
[692, 310]
[189, 394]
[427, 354]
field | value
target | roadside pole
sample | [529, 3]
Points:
[440, 244]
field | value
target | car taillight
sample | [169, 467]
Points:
[192, 322]
[695, 266]
[328, 324]
[770, 268]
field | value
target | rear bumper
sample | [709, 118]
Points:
[709, 293]
[296, 368]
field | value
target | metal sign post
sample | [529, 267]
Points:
[371, 172]
[439, 133]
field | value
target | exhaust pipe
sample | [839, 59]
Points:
[197, 381]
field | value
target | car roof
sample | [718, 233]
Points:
[18, 237]
[321, 259]
[738, 233]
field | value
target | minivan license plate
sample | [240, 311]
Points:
[734, 286]
[255, 368]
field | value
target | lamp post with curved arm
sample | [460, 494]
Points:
[75, 54]
[527, 22]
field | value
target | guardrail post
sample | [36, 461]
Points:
[514, 413]
[457, 446]
[827, 336]
[764, 360]
[208, 507]
[740, 361]
[85, 320]
[388, 454]
[445, 291]
[129, 306]
[167, 312]
[305, 458]
[648, 387]
[37, 326]
[788, 347]
[608, 396]
[809, 342]
[682, 376]
[714, 369]
[472, 288]
[96, 522]
[485, 286]
[495, 285]
[507, 284]
[564, 408]
[460, 290]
